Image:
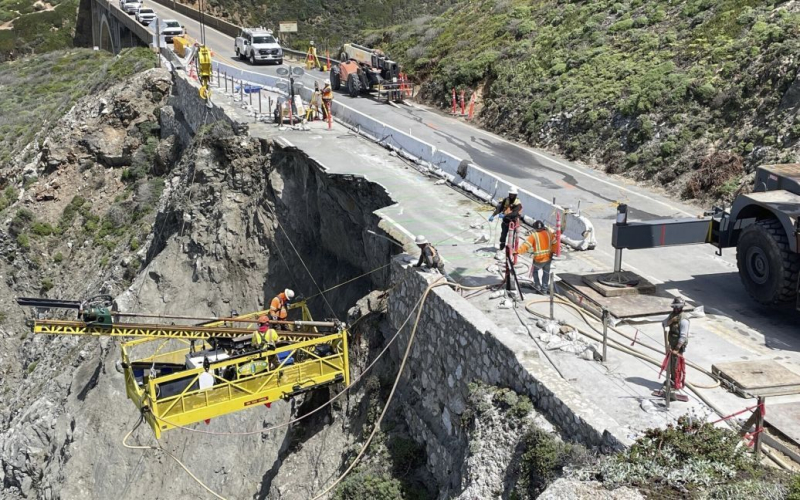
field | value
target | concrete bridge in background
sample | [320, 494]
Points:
[113, 29]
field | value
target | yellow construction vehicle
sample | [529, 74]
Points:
[211, 369]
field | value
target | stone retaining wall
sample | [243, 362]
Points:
[457, 344]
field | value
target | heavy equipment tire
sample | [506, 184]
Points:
[353, 85]
[252, 58]
[336, 78]
[238, 55]
[767, 267]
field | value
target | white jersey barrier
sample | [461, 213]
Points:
[577, 231]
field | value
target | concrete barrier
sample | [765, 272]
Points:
[218, 24]
[578, 232]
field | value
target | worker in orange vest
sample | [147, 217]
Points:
[540, 243]
[277, 308]
[510, 210]
[327, 99]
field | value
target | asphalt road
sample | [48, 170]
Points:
[694, 271]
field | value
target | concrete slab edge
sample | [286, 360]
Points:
[578, 231]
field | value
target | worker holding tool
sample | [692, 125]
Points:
[316, 101]
[676, 337]
[430, 256]
[510, 210]
[265, 336]
[327, 99]
[540, 243]
[277, 308]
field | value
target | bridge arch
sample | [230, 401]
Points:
[106, 40]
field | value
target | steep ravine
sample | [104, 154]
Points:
[213, 245]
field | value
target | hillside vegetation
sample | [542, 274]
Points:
[692, 94]
[36, 91]
[328, 23]
[36, 27]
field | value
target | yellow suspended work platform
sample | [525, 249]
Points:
[216, 369]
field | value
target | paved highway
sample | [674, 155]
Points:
[695, 271]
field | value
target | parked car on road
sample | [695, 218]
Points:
[170, 28]
[146, 15]
[258, 45]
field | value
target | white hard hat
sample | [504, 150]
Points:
[327, 81]
[512, 190]
[421, 240]
[289, 294]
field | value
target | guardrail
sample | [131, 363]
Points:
[577, 230]
[218, 24]
[130, 22]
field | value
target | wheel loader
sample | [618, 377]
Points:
[764, 226]
[367, 70]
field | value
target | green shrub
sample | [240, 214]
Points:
[47, 285]
[406, 455]
[58, 258]
[542, 460]
[794, 488]
[23, 241]
[32, 367]
[42, 229]
[368, 486]
[623, 25]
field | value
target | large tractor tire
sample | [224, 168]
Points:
[336, 78]
[767, 267]
[353, 85]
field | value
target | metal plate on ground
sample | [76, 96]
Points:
[758, 378]
[611, 284]
[629, 306]
[785, 418]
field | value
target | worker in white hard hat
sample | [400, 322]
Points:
[510, 210]
[277, 308]
[430, 257]
[327, 99]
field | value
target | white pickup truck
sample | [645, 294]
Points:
[170, 28]
[130, 6]
[258, 45]
[145, 15]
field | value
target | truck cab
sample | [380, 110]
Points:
[257, 45]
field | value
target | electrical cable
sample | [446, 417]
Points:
[564, 301]
[301, 259]
[536, 341]
[619, 345]
[377, 424]
[337, 395]
[159, 448]
[327, 403]
[350, 281]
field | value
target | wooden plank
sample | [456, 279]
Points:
[785, 418]
[758, 378]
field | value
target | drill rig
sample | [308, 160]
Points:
[365, 70]
[211, 369]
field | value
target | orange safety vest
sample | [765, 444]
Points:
[540, 244]
[327, 93]
[277, 308]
